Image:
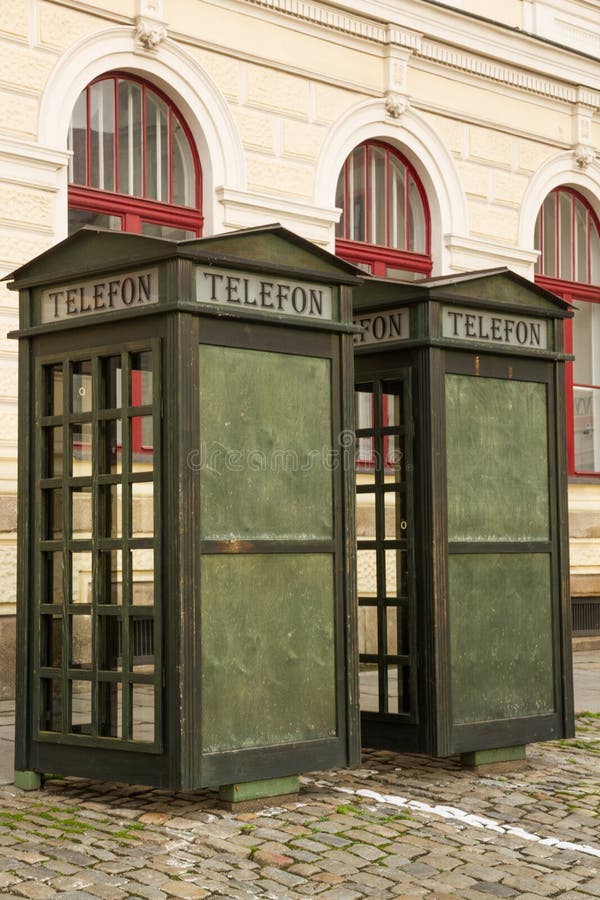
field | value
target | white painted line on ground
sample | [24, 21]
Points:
[460, 815]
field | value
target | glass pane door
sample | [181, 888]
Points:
[384, 521]
[97, 651]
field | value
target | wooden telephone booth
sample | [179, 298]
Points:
[464, 619]
[186, 611]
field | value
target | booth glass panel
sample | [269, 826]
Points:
[51, 643]
[268, 657]
[110, 704]
[97, 558]
[497, 459]
[81, 449]
[53, 459]
[266, 448]
[500, 608]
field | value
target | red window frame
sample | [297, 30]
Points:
[381, 257]
[571, 291]
[137, 437]
[131, 210]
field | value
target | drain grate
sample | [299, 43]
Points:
[586, 615]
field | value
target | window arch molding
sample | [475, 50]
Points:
[422, 147]
[385, 222]
[179, 77]
[559, 171]
[566, 209]
[134, 159]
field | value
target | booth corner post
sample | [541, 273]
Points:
[462, 516]
[186, 606]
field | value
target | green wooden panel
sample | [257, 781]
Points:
[500, 609]
[265, 421]
[267, 649]
[497, 459]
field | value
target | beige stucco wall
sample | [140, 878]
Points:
[289, 95]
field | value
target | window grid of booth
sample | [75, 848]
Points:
[567, 234]
[134, 165]
[98, 561]
[385, 225]
[385, 551]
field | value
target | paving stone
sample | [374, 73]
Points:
[496, 889]
[184, 889]
[34, 890]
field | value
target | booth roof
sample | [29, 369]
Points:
[92, 249]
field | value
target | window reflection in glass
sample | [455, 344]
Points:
[111, 515]
[78, 142]
[81, 450]
[52, 514]
[110, 643]
[142, 705]
[142, 577]
[102, 135]
[81, 513]
[81, 577]
[53, 390]
[51, 704]
[52, 577]
[81, 641]
[111, 449]
[81, 707]
[80, 217]
[366, 564]
[586, 409]
[51, 641]
[52, 461]
[184, 175]
[367, 629]
[111, 576]
[130, 138]
[157, 149]
[110, 701]
[81, 386]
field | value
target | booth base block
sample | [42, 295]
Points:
[28, 781]
[500, 759]
[249, 795]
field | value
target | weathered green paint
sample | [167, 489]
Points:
[490, 515]
[497, 459]
[267, 649]
[277, 601]
[28, 781]
[258, 790]
[491, 757]
[500, 609]
[265, 445]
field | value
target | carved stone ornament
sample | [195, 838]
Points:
[150, 33]
[395, 105]
[584, 155]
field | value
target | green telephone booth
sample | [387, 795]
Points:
[186, 594]
[464, 619]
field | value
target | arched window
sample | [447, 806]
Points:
[134, 165]
[385, 226]
[567, 234]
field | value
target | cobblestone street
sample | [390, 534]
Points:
[400, 826]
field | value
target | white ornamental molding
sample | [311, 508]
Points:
[395, 105]
[151, 8]
[150, 33]
[480, 66]
[584, 155]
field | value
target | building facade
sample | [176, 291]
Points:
[411, 137]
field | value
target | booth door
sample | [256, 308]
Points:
[385, 561]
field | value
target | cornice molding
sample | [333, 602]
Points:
[441, 53]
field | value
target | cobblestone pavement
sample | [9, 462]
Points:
[401, 826]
